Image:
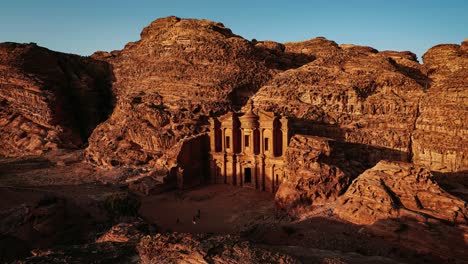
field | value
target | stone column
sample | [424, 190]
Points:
[285, 132]
[224, 168]
[254, 175]
[212, 134]
[272, 175]
[223, 140]
[262, 174]
[242, 141]
[262, 150]
[238, 173]
[241, 175]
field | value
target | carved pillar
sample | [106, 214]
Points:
[272, 179]
[242, 141]
[262, 150]
[238, 173]
[223, 140]
[254, 175]
[241, 175]
[212, 134]
[285, 132]
[224, 168]
[262, 174]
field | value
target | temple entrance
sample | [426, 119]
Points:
[247, 175]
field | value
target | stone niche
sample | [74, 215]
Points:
[192, 161]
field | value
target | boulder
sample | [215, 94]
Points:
[395, 190]
[315, 173]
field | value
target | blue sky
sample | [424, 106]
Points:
[85, 26]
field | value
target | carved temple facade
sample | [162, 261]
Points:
[247, 149]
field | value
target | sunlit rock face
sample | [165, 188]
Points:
[316, 173]
[180, 72]
[352, 94]
[49, 100]
[441, 137]
[399, 190]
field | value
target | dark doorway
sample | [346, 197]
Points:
[247, 175]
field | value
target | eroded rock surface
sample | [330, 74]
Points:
[49, 100]
[124, 233]
[316, 173]
[399, 190]
[188, 248]
[352, 94]
[441, 138]
[167, 84]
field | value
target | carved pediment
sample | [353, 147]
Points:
[267, 116]
[227, 117]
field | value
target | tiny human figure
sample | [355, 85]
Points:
[194, 221]
[198, 214]
[177, 221]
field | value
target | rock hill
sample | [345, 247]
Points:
[49, 100]
[180, 72]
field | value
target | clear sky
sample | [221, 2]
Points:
[84, 26]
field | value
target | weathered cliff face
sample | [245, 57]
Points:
[399, 190]
[316, 173]
[352, 94]
[49, 99]
[441, 138]
[168, 83]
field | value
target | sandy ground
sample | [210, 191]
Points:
[223, 209]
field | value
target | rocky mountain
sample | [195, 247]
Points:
[386, 105]
[373, 134]
[49, 100]
[441, 137]
[180, 72]
[349, 93]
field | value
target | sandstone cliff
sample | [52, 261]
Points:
[180, 72]
[385, 104]
[48, 99]
[441, 138]
[352, 94]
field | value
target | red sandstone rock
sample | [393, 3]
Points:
[123, 233]
[314, 175]
[348, 95]
[48, 99]
[440, 141]
[187, 248]
[399, 190]
[386, 104]
[167, 83]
